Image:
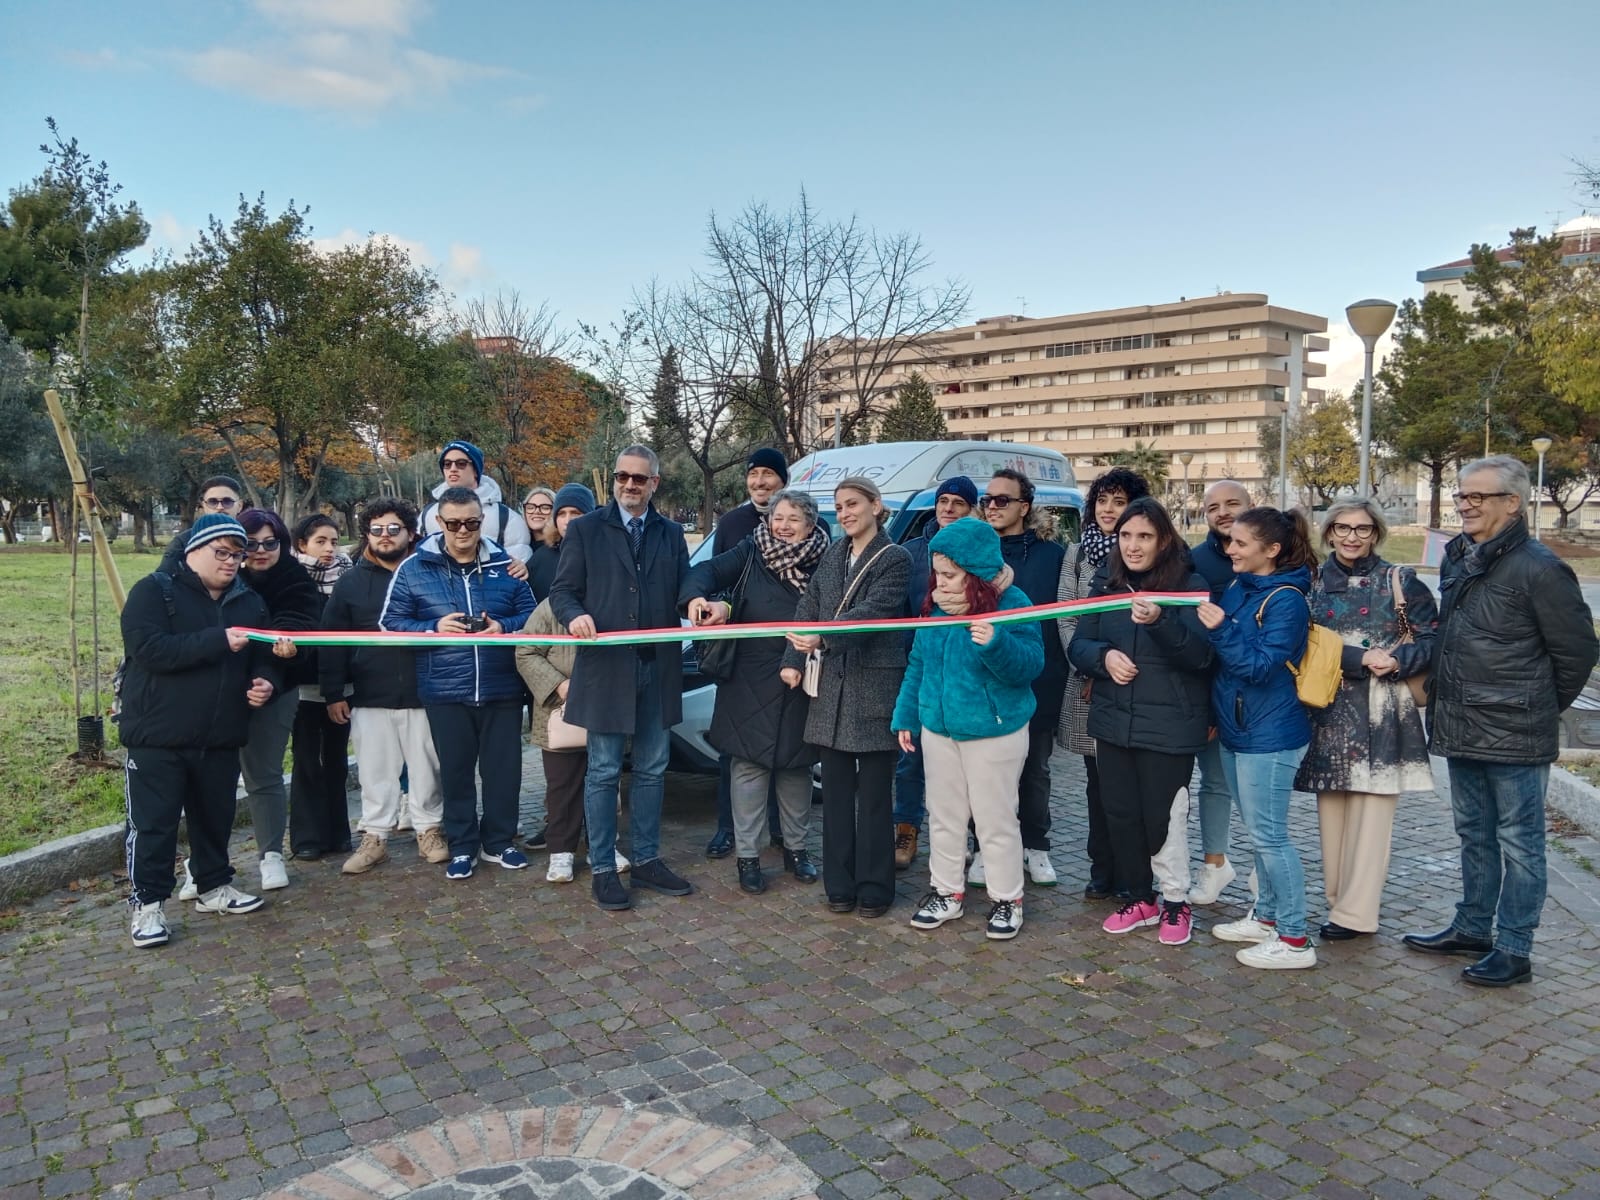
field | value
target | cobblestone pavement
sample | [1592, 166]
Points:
[254, 1054]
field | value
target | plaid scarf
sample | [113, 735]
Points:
[792, 562]
[1095, 544]
[324, 575]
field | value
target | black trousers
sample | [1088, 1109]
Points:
[858, 825]
[1137, 787]
[486, 738]
[1033, 790]
[161, 785]
[1099, 845]
[319, 810]
[563, 798]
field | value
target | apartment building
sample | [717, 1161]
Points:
[1196, 377]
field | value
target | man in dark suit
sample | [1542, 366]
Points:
[621, 568]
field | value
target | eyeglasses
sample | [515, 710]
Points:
[220, 502]
[1000, 502]
[384, 530]
[1340, 529]
[627, 477]
[457, 524]
[229, 556]
[456, 464]
[1476, 499]
[537, 508]
[264, 546]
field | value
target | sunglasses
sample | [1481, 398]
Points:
[536, 508]
[1000, 502]
[264, 546]
[228, 556]
[379, 531]
[456, 464]
[220, 502]
[628, 477]
[457, 524]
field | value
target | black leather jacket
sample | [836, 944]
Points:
[1515, 646]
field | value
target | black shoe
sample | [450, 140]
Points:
[537, 841]
[1447, 941]
[609, 893]
[720, 845]
[658, 877]
[1332, 932]
[1498, 969]
[872, 910]
[1095, 890]
[777, 841]
[798, 863]
[750, 877]
[840, 904]
[309, 854]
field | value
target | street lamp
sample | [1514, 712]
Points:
[838, 423]
[1369, 319]
[1541, 444]
[1186, 457]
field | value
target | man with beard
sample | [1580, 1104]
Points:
[384, 712]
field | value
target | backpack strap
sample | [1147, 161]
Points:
[1280, 588]
[164, 582]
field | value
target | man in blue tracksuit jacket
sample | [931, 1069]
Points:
[458, 581]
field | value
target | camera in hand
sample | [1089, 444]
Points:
[476, 624]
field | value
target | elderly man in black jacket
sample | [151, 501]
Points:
[1515, 646]
[621, 568]
[190, 681]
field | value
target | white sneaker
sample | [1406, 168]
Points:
[1246, 929]
[975, 875]
[1005, 919]
[149, 925]
[187, 889]
[560, 869]
[227, 899]
[1276, 954]
[622, 863]
[273, 875]
[1212, 880]
[936, 908]
[1040, 869]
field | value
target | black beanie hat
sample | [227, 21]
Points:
[771, 459]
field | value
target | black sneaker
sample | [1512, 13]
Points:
[536, 841]
[609, 893]
[720, 845]
[659, 877]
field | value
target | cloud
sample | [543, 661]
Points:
[1345, 358]
[170, 234]
[461, 268]
[353, 56]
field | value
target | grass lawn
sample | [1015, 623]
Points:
[44, 794]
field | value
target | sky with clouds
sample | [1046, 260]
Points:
[1057, 155]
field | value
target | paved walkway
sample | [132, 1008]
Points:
[397, 1035]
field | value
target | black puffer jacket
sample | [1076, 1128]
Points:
[293, 602]
[1212, 563]
[1167, 707]
[757, 717]
[383, 676]
[1515, 646]
[1036, 565]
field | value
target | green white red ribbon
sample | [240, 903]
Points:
[754, 629]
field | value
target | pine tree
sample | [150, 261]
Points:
[665, 416]
[914, 417]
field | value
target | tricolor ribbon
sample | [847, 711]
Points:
[753, 629]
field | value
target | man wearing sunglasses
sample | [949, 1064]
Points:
[459, 581]
[383, 708]
[1007, 503]
[190, 681]
[621, 569]
[461, 464]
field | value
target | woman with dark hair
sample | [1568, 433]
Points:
[319, 807]
[1108, 496]
[1149, 716]
[1259, 628]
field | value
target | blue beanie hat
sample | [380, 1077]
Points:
[470, 451]
[972, 545]
[771, 459]
[573, 495]
[211, 527]
[958, 485]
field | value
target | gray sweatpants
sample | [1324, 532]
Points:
[748, 788]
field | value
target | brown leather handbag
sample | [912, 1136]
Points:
[1417, 683]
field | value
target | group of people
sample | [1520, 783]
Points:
[953, 720]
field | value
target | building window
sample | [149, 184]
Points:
[1197, 428]
[1095, 346]
[1233, 335]
[1005, 358]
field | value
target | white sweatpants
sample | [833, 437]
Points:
[976, 779]
[1170, 864]
[387, 739]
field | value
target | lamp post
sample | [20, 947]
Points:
[1541, 444]
[1369, 319]
[1186, 457]
[838, 422]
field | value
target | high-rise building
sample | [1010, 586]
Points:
[1198, 377]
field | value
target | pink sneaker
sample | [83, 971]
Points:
[1177, 923]
[1135, 914]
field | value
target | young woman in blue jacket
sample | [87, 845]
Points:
[1259, 627]
[968, 691]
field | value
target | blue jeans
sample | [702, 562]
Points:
[910, 787]
[1499, 815]
[1261, 783]
[1216, 799]
[651, 749]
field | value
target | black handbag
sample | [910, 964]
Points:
[716, 656]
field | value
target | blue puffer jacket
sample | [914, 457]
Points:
[429, 585]
[962, 691]
[1252, 694]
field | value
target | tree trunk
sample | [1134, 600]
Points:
[139, 527]
[708, 493]
[8, 524]
[1435, 488]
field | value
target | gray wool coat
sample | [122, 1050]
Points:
[861, 672]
